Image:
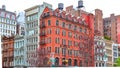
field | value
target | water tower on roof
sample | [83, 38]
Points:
[60, 6]
[80, 4]
[3, 7]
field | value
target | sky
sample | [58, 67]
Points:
[107, 6]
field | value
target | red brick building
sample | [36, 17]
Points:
[7, 51]
[67, 38]
[112, 27]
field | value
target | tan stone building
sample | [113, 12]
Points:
[108, 47]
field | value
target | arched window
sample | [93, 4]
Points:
[69, 62]
[56, 61]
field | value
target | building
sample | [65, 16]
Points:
[109, 53]
[20, 29]
[100, 59]
[19, 51]
[7, 22]
[98, 24]
[32, 18]
[111, 28]
[7, 51]
[115, 52]
[66, 39]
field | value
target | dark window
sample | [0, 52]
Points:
[75, 27]
[80, 63]
[69, 26]
[75, 62]
[102, 64]
[63, 51]
[85, 30]
[69, 62]
[63, 33]
[57, 23]
[63, 24]
[56, 61]
[57, 40]
[80, 29]
[63, 42]
[49, 40]
[96, 65]
[57, 50]
[69, 42]
[49, 31]
[63, 59]
[49, 22]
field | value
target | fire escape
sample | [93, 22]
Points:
[43, 41]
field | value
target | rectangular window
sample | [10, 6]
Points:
[69, 42]
[57, 40]
[63, 24]
[75, 27]
[63, 33]
[63, 42]
[70, 34]
[69, 26]
[63, 51]
[57, 31]
[80, 29]
[49, 22]
[57, 23]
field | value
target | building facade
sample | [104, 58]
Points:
[98, 24]
[32, 17]
[115, 52]
[111, 28]
[7, 52]
[66, 39]
[7, 22]
[109, 53]
[100, 59]
[19, 51]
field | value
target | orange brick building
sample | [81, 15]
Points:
[7, 51]
[67, 38]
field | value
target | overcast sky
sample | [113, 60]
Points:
[108, 6]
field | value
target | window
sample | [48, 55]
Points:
[57, 23]
[70, 34]
[63, 51]
[69, 42]
[57, 31]
[63, 42]
[57, 40]
[75, 27]
[49, 22]
[63, 33]
[57, 50]
[80, 30]
[69, 26]
[85, 31]
[49, 31]
[80, 63]
[49, 40]
[96, 64]
[70, 52]
[63, 24]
